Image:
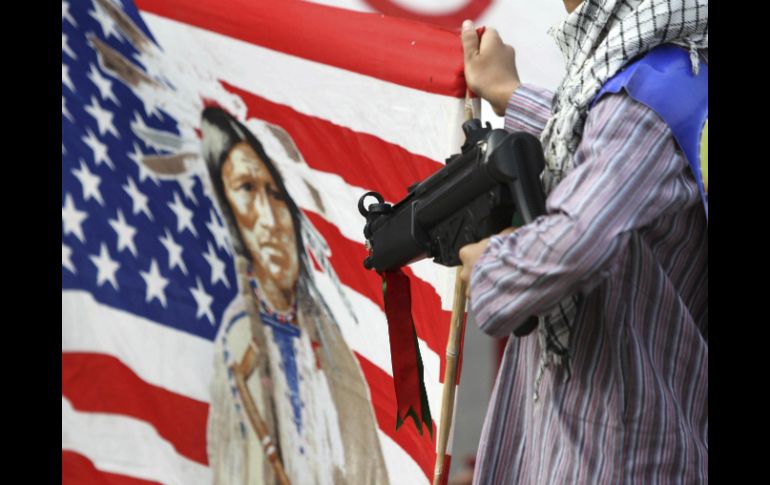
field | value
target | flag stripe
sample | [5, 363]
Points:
[76, 469]
[176, 361]
[359, 158]
[420, 448]
[400, 51]
[127, 446]
[422, 123]
[402, 468]
[101, 383]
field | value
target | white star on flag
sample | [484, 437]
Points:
[103, 84]
[150, 98]
[174, 252]
[102, 116]
[89, 182]
[65, 77]
[105, 21]
[188, 183]
[65, 111]
[66, 15]
[73, 219]
[66, 258]
[99, 149]
[155, 284]
[144, 172]
[106, 267]
[66, 48]
[203, 301]
[125, 233]
[183, 215]
[217, 267]
[220, 233]
[138, 199]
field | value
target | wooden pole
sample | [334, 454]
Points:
[259, 426]
[452, 348]
[450, 375]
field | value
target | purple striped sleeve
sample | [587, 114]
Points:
[528, 109]
[624, 178]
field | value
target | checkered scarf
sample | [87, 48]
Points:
[597, 39]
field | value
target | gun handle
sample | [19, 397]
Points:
[528, 193]
[529, 198]
[517, 159]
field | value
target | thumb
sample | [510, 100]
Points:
[470, 40]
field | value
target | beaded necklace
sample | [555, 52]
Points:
[280, 320]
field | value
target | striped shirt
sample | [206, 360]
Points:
[626, 231]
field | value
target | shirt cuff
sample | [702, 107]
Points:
[528, 109]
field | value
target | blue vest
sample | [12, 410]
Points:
[663, 81]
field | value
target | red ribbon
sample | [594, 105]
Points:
[404, 353]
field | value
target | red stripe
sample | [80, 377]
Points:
[400, 51]
[76, 469]
[430, 321]
[102, 383]
[361, 159]
[422, 448]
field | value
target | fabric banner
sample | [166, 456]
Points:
[213, 154]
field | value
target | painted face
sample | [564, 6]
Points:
[262, 215]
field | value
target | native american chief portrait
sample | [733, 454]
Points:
[302, 377]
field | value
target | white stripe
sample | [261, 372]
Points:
[127, 446]
[423, 123]
[177, 361]
[400, 465]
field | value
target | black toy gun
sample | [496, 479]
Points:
[475, 195]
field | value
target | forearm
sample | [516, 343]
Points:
[532, 270]
[627, 174]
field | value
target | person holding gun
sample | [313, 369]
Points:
[612, 387]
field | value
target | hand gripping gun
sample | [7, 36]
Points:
[475, 195]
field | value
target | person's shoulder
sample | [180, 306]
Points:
[614, 107]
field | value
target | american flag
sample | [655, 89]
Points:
[146, 274]
[147, 262]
